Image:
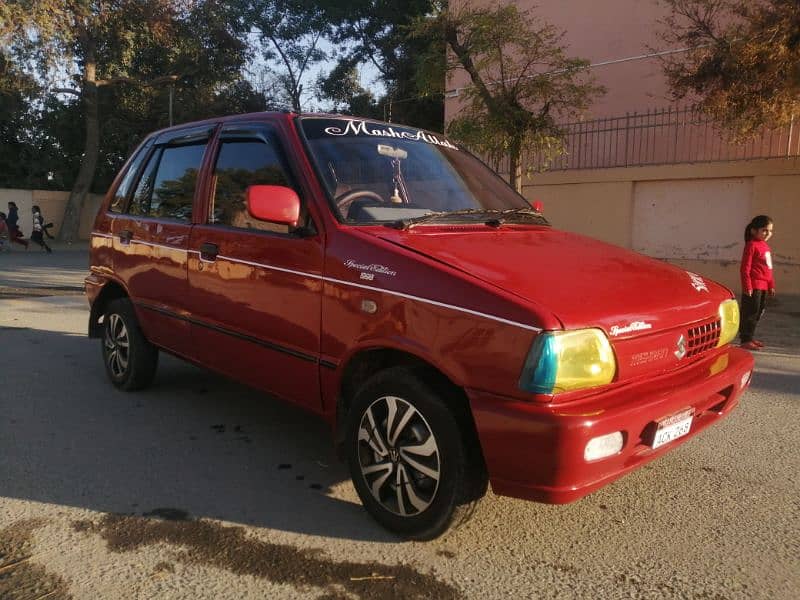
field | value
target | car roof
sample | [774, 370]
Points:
[265, 115]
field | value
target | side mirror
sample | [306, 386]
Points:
[538, 206]
[273, 203]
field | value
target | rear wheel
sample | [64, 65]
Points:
[406, 455]
[130, 360]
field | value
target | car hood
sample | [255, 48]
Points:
[582, 281]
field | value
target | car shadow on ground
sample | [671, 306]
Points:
[193, 444]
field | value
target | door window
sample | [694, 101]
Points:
[166, 188]
[241, 163]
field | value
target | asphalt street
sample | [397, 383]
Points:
[201, 488]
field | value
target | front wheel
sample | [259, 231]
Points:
[130, 360]
[406, 455]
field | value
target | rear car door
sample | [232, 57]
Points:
[255, 287]
[151, 237]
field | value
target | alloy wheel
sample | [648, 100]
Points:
[398, 456]
[117, 345]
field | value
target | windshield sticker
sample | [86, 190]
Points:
[367, 270]
[359, 127]
[635, 326]
[697, 282]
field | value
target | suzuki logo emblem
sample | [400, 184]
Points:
[681, 351]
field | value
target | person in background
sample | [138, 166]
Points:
[757, 278]
[38, 229]
[14, 234]
[46, 226]
[3, 231]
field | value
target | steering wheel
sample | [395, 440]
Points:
[348, 198]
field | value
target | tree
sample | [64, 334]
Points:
[742, 61]
[103, 44]
[522, 81]
[293, 31]
[16, 90]
[378, 32]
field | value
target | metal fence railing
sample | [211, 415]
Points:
[659, 137]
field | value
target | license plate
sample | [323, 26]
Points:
[673, 427]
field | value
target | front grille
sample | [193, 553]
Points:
[702, 338]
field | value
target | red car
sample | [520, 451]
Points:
[387, 280]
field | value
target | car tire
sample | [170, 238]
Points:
[406, 455]
[130, 360]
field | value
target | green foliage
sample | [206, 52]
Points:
[141, 51]
[379, 33]
[522, 81]
[743, 62]
[291, 32]
[82, 81]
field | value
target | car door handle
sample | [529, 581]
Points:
[208, 251]
[125, 236]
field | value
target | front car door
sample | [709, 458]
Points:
[151, 237]
[255, 287]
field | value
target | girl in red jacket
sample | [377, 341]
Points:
[757, 279]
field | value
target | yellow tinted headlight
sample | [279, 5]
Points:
[729, 321]
[560, 361]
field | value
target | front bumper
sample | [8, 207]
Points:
[536, 451]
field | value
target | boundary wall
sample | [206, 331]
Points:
[53, 203]
[691, 215]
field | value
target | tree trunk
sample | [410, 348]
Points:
[70, 226]
[515, 164]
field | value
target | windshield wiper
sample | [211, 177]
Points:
[411, 222]
[497, 218]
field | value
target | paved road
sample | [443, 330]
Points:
[201, 488]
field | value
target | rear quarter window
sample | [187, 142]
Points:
[120, 200]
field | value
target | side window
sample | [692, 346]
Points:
[140, 203]
[240, 164]
[175, 181]
[121, 195]
[166, 187]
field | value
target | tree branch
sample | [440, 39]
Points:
[66, 91]
[130, 80]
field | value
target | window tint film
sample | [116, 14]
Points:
[240, 164]
[175, 181]
[121, 195]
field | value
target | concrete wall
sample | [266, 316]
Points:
[690, 215]
[52, 204]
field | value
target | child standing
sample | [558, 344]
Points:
[38, 228]
[757, 279]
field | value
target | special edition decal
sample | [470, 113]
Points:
[368, 271]
[635, 326]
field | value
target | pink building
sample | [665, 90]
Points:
[647, 174]
[618, 37]
[636, 122]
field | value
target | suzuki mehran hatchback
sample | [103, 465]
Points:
[387, 280]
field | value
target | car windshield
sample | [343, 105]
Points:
[381, 173]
